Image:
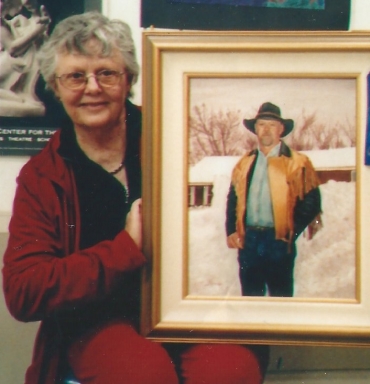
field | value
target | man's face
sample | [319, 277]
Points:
[268, 132]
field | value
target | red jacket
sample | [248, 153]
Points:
[44, 271]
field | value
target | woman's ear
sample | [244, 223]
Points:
[54, 88]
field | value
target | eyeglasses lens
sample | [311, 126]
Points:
[78, 80]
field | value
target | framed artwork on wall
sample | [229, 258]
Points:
[198, 89]
[261, 15]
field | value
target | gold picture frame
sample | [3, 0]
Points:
[171, 60]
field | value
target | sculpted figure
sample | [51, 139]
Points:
[20, 39]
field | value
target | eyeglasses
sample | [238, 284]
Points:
[78, 80]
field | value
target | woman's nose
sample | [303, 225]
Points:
[92, 83]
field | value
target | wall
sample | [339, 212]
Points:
[17, 339]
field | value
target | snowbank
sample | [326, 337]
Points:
[325, 265]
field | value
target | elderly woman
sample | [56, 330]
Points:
[74, 253]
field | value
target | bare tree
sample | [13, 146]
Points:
[309, 134]
[215, 133]
[223, 134]
[304, 136]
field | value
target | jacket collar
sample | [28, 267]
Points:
[48, 162]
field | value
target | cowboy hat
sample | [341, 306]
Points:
[269, 111]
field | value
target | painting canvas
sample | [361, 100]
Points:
[324, 113]
[301, 4]
[239, 15]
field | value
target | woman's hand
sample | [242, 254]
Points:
[134, 223]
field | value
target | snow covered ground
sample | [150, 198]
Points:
[325, 265]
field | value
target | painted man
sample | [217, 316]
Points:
[274, 196]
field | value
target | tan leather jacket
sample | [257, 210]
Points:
[291, 177]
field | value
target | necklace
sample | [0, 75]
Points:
[118, 169]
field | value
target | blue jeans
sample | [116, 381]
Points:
[266, 264]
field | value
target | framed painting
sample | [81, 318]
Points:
[29, 114]
[246, 15]
[199, 88]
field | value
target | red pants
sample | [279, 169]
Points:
[117, 354]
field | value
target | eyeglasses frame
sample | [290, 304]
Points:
[95, 76]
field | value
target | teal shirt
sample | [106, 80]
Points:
[259, 203]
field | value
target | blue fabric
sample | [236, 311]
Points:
[70, 380]
[259, 204]
[69, 377]
[367, 144]
[300, 4]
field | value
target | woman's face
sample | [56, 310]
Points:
[93, 106]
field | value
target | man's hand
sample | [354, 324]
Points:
[134, 223]
[234, 241]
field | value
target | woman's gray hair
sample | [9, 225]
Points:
[72, 34]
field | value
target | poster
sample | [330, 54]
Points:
[238, 15]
